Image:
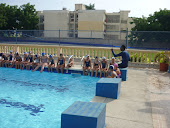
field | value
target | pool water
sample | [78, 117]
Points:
[36, 100]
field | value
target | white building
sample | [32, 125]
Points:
[83, 23]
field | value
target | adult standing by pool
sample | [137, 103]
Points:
[125, 57]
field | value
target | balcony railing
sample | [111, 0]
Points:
[136, 56]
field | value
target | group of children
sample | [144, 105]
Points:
[36, 61]
[110, 70]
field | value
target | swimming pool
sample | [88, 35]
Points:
[36, 100]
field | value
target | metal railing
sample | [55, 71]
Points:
[132, 39]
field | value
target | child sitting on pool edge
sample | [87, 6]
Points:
[70, 63]
[51, 63]
[44, 62]
[96, 65]
[60, 63]
[114, 71]
[86, 65]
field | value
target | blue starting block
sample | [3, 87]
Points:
[123, 73]
[84, 115]
[108, 87]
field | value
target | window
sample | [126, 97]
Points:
[124, 21]
[113, 18]
[112, 27]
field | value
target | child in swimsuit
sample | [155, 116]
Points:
[60, 63]
[44, 62]
[114, 71]
[18, 61]
[25, 62]
[111, 63]
[51, 63]
[86, 65]
[31, 60]
[111, 72]
[10, 58]
[36, 61]
[103, 67]
[14, 60]
[117, 70]
[70, 63]
[1, 58]
[96, 65]
[4, 60]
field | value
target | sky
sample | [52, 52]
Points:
[138, 8]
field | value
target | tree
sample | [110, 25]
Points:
[3, 18]
[23, 17]
[159, 21]
[90, 7]
[28, 17]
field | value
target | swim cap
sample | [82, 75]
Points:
[111, 67]
[43, 54]
[50, 56]
[70, 56]
[1, 54]
[29, 52]
[113, 58]
[87, 55]
[11, 51]
[25, 53]
[96, 57]
[16, 53]
[103, 58]
[115, 65]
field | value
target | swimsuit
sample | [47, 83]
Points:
[103, 65]
[5, 58]
[44, 60]
[52, 61]
[31, 59]
[37, 60]
[60, 61]
[10, 57]
[96, 64]
[26, 58]
[87, 63]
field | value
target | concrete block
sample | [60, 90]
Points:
[108, 87]
[84, 115]
[123, 73]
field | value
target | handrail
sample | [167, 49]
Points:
[136, 56]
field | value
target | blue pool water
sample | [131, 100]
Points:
[36, 100]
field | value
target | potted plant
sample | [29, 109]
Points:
[163, 59]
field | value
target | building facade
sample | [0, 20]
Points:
[83, 23]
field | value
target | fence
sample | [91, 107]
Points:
[132, 39]
[137, 56]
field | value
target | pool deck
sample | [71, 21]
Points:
[144, 101]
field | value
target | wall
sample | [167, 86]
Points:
[80, 7]
[55, 20]
[91, 20]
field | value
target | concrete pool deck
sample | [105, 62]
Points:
[142, 104]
